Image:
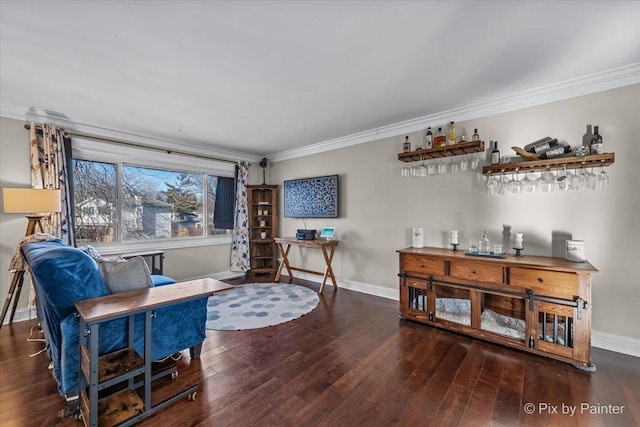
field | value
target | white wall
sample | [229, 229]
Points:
[181, 264]
[379, 207]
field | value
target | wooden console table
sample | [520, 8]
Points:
[328, 249]
[95, 372]
[537, 304]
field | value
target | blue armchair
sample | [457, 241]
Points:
[63, 275]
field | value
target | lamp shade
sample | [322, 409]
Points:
[30, 200]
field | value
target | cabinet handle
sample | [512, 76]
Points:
[540, 279]
[473, 272]
[421, 265]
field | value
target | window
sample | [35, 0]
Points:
[123, 202]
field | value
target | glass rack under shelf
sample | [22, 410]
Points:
[439, 152]
[591, 161]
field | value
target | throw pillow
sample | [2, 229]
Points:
[122, 276]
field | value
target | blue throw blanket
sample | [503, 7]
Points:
[63, 275]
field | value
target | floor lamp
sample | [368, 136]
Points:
[26, 201]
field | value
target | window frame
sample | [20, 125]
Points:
[121, 155]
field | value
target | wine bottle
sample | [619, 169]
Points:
[475, 136]
[440, 140]
[541, 145]
[555, 152]
[452, 133]
[428, 139]
[495, 154]
[596, 141]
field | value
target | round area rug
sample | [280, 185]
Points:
[258, 305]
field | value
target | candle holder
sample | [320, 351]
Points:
[518, 251]
[455, 247]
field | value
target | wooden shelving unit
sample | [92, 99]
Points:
[594, 160]
[439, 152]
[263, 218]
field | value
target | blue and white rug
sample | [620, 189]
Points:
[258, 305]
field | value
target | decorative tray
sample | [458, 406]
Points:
[486, 254]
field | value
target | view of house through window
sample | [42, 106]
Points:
[154, 203]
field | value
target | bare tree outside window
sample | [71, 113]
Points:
[95, 201]
[156, 203]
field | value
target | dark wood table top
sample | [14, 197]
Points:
[132, 302]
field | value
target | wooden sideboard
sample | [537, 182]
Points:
[537, 304]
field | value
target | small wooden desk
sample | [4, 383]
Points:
[155, 259]
[284, 245]
[93, 375]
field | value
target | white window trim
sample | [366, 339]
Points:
[99, 151]
[87, 149]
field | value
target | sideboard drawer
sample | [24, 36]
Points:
[423, 265]
[549, 283]
[476, 271]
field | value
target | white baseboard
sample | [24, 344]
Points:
[21, 315]
[617, 343]
[366, 288]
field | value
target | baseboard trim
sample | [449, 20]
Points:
[365, 288]
[617, 343]
[22, 314]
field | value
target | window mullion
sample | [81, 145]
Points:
[119, 202]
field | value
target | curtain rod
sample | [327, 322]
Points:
[133, 144]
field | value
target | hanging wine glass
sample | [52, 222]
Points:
[502, 189]
[515, 186]
[603, 178]
[464, 163]
[548, 182]
[423, 170]
[528, 184]
[591, 180]
[492, 185]
[563, 182]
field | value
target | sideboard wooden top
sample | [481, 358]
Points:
[126, 303]
[511, 260]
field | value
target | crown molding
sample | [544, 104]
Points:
[585, 85]
[187, 147]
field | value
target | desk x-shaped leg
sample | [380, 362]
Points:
[328, 272]
[285, 262]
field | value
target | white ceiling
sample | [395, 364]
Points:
[269, 77]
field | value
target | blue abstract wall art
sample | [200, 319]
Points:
[311, 197]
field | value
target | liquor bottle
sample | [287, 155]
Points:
[541, 145]
[596, 141]
[475, 136]
[406, 147]
[452, 134]
[495, 154]
[484, 245]
[428, 139]
[440, 140]
[555, 152]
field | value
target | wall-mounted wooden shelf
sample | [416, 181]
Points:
[594, 160]
[439, 152]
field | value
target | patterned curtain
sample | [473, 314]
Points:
[240, 240]
[50, 167]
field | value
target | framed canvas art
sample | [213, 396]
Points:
[311, 197]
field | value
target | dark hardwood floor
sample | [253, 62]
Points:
[351, 362]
